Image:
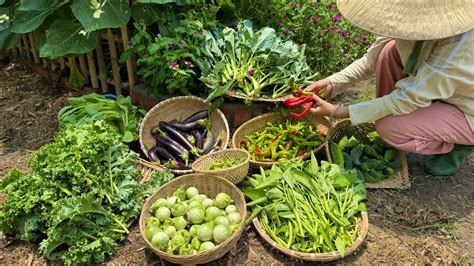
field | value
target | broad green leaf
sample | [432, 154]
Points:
[107, 14]
[156, 1]
[28, 16]
[64, 37]
[8, 39]
[36, 5]
[148, 13]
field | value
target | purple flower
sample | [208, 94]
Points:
[146, 56]
[278, 24]
[334, 27]
[250, 72]
[341, 32]
[286, 31]
[336, 19]
[363, 37]
[232, 25]
[174, 64]
[130, 42]
[329, 46]
[313, 18]
[355, 40]
[330, 6]
[307, 21]
[189, 63]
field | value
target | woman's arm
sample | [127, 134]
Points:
[358, 70]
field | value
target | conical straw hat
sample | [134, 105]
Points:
[410, 19]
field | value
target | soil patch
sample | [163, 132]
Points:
[429, 223]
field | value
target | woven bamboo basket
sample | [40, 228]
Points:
[235, 94]
[323, 257]
[182, 106]
[344, 127]
[234, 174]
[257, 124]
[211, 186]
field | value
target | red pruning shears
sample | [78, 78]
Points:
[302, 98]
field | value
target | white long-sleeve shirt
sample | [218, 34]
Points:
[444, 71]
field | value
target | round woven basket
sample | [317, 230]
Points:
[211, 186]
[181, 107]
[257, 124]
[234, 174]
[327, 256]
[344, 127]
[234, 94]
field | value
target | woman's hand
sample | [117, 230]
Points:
[324, 84]
[325, 108]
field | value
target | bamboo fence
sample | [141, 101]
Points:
[100, 67]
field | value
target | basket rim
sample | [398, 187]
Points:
[173, 257]
[246, 161]
[264, 116]
[175, 99]
[324, 256]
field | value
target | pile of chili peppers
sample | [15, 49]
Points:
[282, 141]
[302, 98]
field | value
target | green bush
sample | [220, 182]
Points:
[331, 41]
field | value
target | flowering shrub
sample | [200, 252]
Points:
[166, 52]
[331, 41]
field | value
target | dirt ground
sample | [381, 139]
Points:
[433, 222]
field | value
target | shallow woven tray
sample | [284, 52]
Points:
[182, 106]
[235, 94]
[234, 174]
[399, 180]
[211, 186]
[327, 256]
[258, 124]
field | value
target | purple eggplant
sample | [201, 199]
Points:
[152, 155]
[176, 135]
[164, 153]
[196, 116]
[191, 125]
[207, 144]
[198, 139]
[212, 146]
[173, 147]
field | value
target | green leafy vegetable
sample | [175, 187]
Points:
[307, 207]
[260, 64]
[78, 198]
[121, 114]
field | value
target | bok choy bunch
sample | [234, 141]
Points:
[256, 64]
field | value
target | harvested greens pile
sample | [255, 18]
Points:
[258, 64]
[306, 207]
[80, 195]
[374, 160]
[120, 114]
[282, 141]
[187, 222]
[180, 143]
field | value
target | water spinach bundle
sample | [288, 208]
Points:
[307, 207]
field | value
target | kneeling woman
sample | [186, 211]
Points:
[424, 68]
